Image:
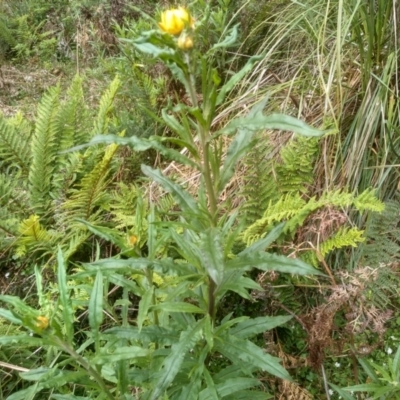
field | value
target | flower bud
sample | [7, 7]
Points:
[42, 322]
[185, 42]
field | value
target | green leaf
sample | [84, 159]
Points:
[396, 361]
[173, 362]
[231, 386]
[341, 392]
[9, 316]
[271, 262]
[273, 121]
[96, 304]
[237, 149]
[258, 325]
[250, 394]
[26, 394]
[144, 305]
[262, 244]
[364, 387]
[178, 307]
[184, 199]
[230, 39]
[238, 350]
[237, 78]
[105, 233]
[68, 397]
[213, 254]
[24, 339]
[65, 301]
[119, 354]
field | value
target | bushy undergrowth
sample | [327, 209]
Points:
[253, 254]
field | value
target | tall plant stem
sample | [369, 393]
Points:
[204, 138]
[85, 364]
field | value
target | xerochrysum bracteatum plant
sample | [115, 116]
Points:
[179, 344]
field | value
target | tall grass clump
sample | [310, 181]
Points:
[334, 63]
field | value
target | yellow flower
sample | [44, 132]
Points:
[174, 21]
[42, 322]
[185, 42]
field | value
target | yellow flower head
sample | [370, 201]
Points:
[174, 21]
[185, 42]
[42, 322]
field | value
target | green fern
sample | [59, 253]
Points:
[344, 237]
[383, 237]
[270, 176]
[44, 152]
[295, 172]
[14, 144]
[105, 112]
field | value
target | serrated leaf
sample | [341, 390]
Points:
[65, 301]
[262, 244]
[96, 304]
[24, 339]
[237, 78]
[271, 262]
[213, 254]
[9, 316]
[144, 305]
[341, 392]
[108, 234]
[238, 350]
[178, 306]
[119, 354]
[250, 394]
[26, 394]
[274, 121]
[173, 362]
[184, 199]
[237, 149]
[229, 40]
[254, 326]
[231, 386]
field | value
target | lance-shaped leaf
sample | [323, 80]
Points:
[237, 149]
[213, 254]
[232, 386]
[144, 305]
[119, 354]
[65, 301]
[244, 351]
[263, 243]
[96, 304]
[237, 78]
[229, 40]
[177, 306]
[254, 326]
[173, 362]
[111, 235]
[271, 262]
[273, 121]
[184, 199]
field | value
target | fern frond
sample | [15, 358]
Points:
[383, 236]
[344, 237]
[32, 234]
[14, 144]
[285, 208]
[106, 108]
[73, 117]
[90, 192]
[44, 149]
[367, 200]
[296, 170]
